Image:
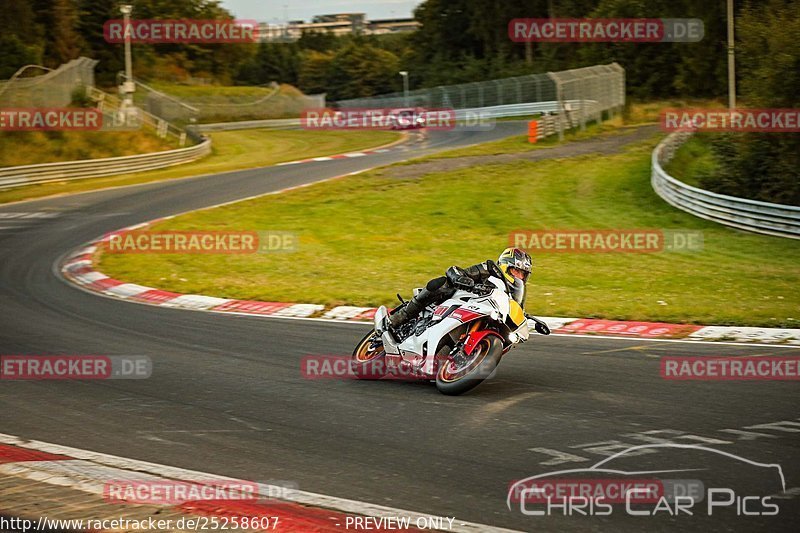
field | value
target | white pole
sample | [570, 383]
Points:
[404, 73]
[731, 60]
[128, 85]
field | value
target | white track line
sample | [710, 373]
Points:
[79, 482]
[400, 141]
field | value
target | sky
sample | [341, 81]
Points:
[274, 11]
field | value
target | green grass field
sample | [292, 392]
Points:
[223, 103]
[215, 93]
[232, 150]
[34, 147]
[364, 238]
[692, 160]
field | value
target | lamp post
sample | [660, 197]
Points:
[128, 86]
[404, 73]
[731, 61]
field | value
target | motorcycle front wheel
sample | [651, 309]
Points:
[369, 358]
[465, 372]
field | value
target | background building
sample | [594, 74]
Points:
[337, 24]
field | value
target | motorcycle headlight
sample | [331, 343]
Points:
[494, 315]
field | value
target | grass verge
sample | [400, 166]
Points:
[693, 160]
[365, 237]
[34, 147]
[232, 150]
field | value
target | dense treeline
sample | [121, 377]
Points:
[460, 41]
[51, 32]
[763, 166]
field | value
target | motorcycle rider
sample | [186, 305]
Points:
[513, 262]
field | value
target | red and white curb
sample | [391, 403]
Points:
[78, 268]
[297, 510]
[337, 156]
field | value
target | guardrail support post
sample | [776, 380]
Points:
[561, 107]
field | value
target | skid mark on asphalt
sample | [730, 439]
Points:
[644, 349]
[637, 348]
[163, 435]
[495, 408]
[247, 424]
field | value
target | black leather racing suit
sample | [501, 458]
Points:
[438, 290]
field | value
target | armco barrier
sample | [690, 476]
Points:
[276, 124]
[741, 213]
[500, 111]
[93, 168]
[71, 170]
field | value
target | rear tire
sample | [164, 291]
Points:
[483, 362]
[369, 362]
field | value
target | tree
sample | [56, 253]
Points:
[314, 71]
[278, 62]
[763, 166]
[360, 69]
[20, 37]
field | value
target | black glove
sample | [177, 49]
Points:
[458, 278]
[539, 325]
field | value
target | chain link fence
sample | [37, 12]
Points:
[279, 102]
[585, 93]
[56, 88]
[73, 83]
[578, 95]
[522, 89]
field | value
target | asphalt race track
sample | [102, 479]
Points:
[226, 395]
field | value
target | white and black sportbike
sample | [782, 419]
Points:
[458, 343]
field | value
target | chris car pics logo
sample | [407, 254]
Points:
[604, 488]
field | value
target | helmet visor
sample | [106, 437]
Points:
[518, 273]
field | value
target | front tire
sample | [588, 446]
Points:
[453, 379]
[369, 358]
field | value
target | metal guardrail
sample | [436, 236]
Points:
[71, 170]
[277, 124]
[109, 104]
[501, 111]
[741, 213]
[93, 168]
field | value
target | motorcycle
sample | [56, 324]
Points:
[458, 343]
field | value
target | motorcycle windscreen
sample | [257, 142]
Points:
[516, 314]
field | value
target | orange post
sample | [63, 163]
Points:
[533, 129]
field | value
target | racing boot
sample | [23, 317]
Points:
[411, 310]
[436, 289]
